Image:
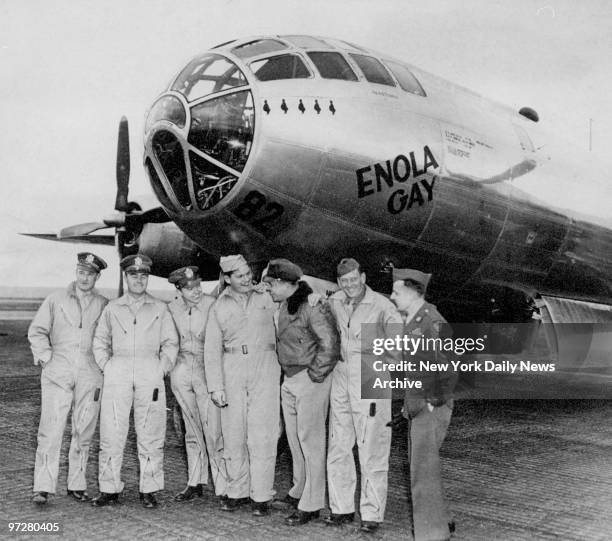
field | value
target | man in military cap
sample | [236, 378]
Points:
[202, 418]
[243, 377]
[135, 345]
[428, 413]
[308, 349]
[61, 336]
[351, 419]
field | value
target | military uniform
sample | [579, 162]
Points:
[240, 359]
[352, 419]
[428, 419]
[135, 345]
[202, 418]
[61, 337]
[308, 349]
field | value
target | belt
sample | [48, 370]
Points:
[245, 350]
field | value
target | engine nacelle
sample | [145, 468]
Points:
[170, 248]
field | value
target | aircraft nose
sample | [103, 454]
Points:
[199, 135]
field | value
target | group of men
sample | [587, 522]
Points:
[233, 362]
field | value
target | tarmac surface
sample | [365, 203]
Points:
[513, 470]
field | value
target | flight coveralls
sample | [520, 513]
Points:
[202, 418]
[352, 419]
[308, 349]
[240, 359]
[61, 337]
[135, 345]
[428, 420]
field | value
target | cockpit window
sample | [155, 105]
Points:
[223, 128]
[333, 66]
[405, 78]
[286, 66]
[307, 42]
[373, 70]
[260, 46]
[206, 75]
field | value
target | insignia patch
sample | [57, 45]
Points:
[89, 258]
[138, 261]
[188, 273]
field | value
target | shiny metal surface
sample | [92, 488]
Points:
[447, 182]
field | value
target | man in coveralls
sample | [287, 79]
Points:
[202, 418]
[61, 336]
[428, 414]
[308, 349]
[243, 377]
[135, 345]
[352, 419]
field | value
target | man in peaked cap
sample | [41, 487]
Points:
[203, 439]
[428, 414]
[351, 418]
[135, 345]
[308, 349]
[243, 377]
[61, 336]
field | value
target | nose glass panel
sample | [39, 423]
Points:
[223, 128]
[170, 155]
[206, 75]
[210, 183]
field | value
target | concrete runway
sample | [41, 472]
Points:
[513, 470]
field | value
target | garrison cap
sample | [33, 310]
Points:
[137, 262]
[185, 276]
[91, 261]
[231, 263]
[283, 269]
[412, 274]
[347, 265]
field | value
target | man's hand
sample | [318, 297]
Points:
[218, 397]
[40, 362]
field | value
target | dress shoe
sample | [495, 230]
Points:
[369, 526]
[40, 498]
[79, 495]
[301, 517]
[260, 509]
[189, 493]
[231, 504]
[105, 498]
[148, 500]
[337, 519]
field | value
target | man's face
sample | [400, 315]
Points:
[86, 279]
[192, 293]
[279, 289]
[137, 282]
[352, 283]
[403, 296]
[241, 280]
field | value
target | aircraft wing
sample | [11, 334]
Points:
[106, 240]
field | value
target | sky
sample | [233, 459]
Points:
[70, 69]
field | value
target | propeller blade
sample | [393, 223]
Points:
[79, 230]
[106, 240]
[155, 215]
[120, 288]
[123, 166]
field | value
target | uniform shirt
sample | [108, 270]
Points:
[438, 385]
[135, 339]
[190, 322]
[237, 327]
[63, 330]
[374, 310]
